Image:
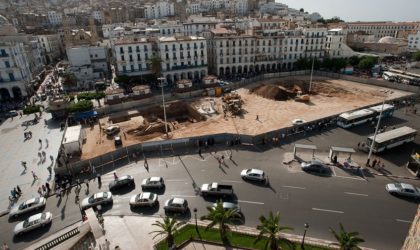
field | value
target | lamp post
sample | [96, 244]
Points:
[374, 136]
[312, 71]
[161, 79]
[195, 216]
[302, 245]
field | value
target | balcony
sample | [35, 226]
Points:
[180, 67]
[4, 55]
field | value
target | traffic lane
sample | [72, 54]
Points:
[64, 212]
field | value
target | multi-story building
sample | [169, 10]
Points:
[335, 46]
[274, 8]
[315, 39]
[88, 64]
[55, 18]
[181, 57]
[51, 49]
[414, 41]
[196, 25]
[98, 15]
[381, 29]
[159, 9]
[15, 74]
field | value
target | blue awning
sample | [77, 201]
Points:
[78, 116]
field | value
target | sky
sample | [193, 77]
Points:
[361, 10]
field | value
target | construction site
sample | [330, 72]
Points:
[254, 109]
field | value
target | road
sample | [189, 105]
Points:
[360, 204]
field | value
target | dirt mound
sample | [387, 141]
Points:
[273, 92]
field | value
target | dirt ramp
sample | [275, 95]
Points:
[273, 92]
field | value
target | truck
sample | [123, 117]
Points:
[216, 189]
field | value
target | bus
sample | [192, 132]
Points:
[350, 119]
[389, 76]
[391, 139]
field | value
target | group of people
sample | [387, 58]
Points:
[377, 162]
[44, 189]
[27, 135]
[15, 193]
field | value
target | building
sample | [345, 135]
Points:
[51, 47]
[274, 8]
[55, 18]
[159, 9]
[98, 16]
[75, 37]
[381, 29]
[414, 41]
[88, 64]
[335, 46]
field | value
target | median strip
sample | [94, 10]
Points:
[327, 210]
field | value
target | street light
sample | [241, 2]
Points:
[302, 246]
[195, 215]
[374, 136]
[161, 79]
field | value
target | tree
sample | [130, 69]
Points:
[347, 240]
[416, 56]
[367, 62]
[354, 60]
[270, 228]
[169, 227]
[301, 10]
[80, 106]
[155, 65]
[219, 216]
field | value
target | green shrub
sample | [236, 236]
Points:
[31, 109]
[82, 105]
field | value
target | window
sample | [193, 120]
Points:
[11, 77]
[121, 50]
[166, 47]
[173, 47]
[122, 57]
[138, 57]
[130, 50]
[7, 64]
[137, 49]
[124, 69]
[132, 68]
[168, 66]
[140, 68]
[145, 47]
[131, 58]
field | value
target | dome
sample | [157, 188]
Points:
[388, 39]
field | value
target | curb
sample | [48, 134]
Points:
[396, 176]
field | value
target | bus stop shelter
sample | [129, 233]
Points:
[334, 151]
[304, 146]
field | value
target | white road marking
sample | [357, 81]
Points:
[122, 196]
[231, 181]
[405, 221]
[182, 195]
[356, 194]
[294, 187]
[327, 210]
[251, 202]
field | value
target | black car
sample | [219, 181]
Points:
[117, 141]
[315, 166]
[123, 181]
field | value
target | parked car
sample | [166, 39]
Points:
[123, 181]
[296, 122]
[12, 113]
[33, 222]
[253, 174]
[100, 198]
[153, 182]
[178, 205]
[315, 166]
[144, 199]
[27, 206]
[117, 141]
[403, 189]
[112, 129]
[229, 205]
[216, 189]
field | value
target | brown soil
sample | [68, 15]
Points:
[273, 92]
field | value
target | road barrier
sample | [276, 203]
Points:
[59, 240]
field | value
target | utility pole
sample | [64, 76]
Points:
[376, 132]
[161, 79]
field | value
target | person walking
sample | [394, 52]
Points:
[199, 152]
[47, 185]
[115, 176]
[49, 170]
[87, 184]
[223, 159]
[374, 163]
[24, 165]
[77, 192]
[99, 179]
[13, 193]
[40, 142]
[44, 189]
[18, 190]
[34, 175]
[46, 143]
[40, 191]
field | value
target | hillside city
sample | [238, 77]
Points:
[206, 124]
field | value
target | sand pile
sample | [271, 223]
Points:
[273, 92]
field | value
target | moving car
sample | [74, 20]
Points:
[117, 141]
[253, 174]
[216, 189]
[178, 205]
[27, 206]
[100, 198]
[144, 199]
[315, 166]
[153, 182]
[35, 221]
[298, 122]
[403, 189]
[112, 129]
[229, 205]
[123, 181]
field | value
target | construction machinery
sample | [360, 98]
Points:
[301, 97]
[233, 103]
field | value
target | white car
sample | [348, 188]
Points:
[100, 198]
[229, 205]
[177, 205]
[298, 122]
[112, 130]
[403, 189]
[253, 174]
[144, 199]
[27, 206]
[153, 182]
[35, 221]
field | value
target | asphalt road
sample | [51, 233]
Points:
[322, 202]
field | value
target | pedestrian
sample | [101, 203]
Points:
[30, 134]
[46, 142]
[223, 159]
[40, 142]
[13, 193]
[47, 185]
[87, 184]
[99, 180]
[24, 164]
[44, 154]
[78, 183]
[358, 145]
[44, 189]
[77, 192]
[257, 118]
[230, 155]
[49, 170]
[383, 166]
[58, 192]
[220, 162]
[93, 171]
[199, 152]
[6, 247]
[378, 163]
[34, 175]
[374, 163]
[39, 191]
[18, 190]
[116, 176]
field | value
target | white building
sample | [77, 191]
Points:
[132, 56]
[381, 29]
[88, 64]
[315, 39]
[55, 18]
[196, 25]
[414, 41]
[335, 46]
[15, 74]
[51, 47]
[160, 9]
[274, 8]
[98, 16]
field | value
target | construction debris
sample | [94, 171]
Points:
[233, 103]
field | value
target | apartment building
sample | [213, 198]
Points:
[98, 15]
[51, 47]
[132, 56]
[55, 18]
[335, 46]
[15, 73]
[381, 29]
[159, 9]
[414, 41]
[315, 39]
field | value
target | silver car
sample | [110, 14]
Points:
[35, 221]
[178, 205]
[100, 198]
[27, 206]
[253, 174]
[153, 182]
[229, 205]
[144, 199]
[403, 189]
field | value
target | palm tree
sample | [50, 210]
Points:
[218, 215]
[155, 65]
[168, 227]
[347, 240]
[270, 227]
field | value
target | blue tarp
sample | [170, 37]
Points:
[79, 116]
